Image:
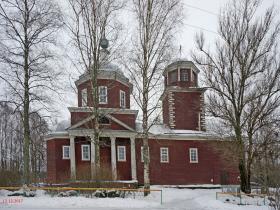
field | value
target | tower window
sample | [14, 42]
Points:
[184, 76]
[84, 97]
[122, 99]
[173, 76]
[103, 95]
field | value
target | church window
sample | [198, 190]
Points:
[84, 97]
[184, 76]
[103, 99]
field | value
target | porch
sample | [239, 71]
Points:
[121, 166]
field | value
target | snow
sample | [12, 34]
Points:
[173, 198]
[161, 129]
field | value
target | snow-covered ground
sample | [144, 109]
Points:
[176, 199]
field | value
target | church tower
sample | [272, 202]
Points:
[182, 99]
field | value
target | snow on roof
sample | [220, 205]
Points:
[162, 129]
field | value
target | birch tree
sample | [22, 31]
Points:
[93, 22]
[28, 30]
[242, 74]
[156, 24]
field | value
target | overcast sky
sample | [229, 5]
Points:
[200, 15]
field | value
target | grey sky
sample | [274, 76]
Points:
[199, 14]
[196, 19]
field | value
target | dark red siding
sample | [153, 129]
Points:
[124, 167]
[113, 91]
[210, 169]
[187, 107]
[165, 110]
[179, 170]
[58, 168]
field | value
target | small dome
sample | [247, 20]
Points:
[111, 67]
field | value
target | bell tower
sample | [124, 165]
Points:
[183, 99]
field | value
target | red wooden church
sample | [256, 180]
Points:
[181, 151]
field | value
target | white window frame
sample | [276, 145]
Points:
[124, 150]
[184, 73]
[84, 96]
[63, 152]
[190, 154]
[162, 155]
[122, 99]
[142, 153]
[82, 148]
[100, 96]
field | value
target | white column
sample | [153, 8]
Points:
[113, 158]
[92, 156]
[133, 158]
[72, 158]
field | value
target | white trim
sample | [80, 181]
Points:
[63, 152]
[106, 91]
[120, 122]
[57, 136]
[122, 93]
[161, 154]
[119, 158]
[107, 116]
[82, 148]
[196, 152]
[84, 97]
[103, 110]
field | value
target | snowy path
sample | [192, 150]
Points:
[173, 199]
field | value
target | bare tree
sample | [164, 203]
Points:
[242, 74]
[11, 138]
[266, 163]
[93, 24]
[28, 28]
[157, 22]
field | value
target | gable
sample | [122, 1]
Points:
[114, 123]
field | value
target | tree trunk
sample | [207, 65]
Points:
[146, 142]
[26, 146]
[26, 127]
[146, 164]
